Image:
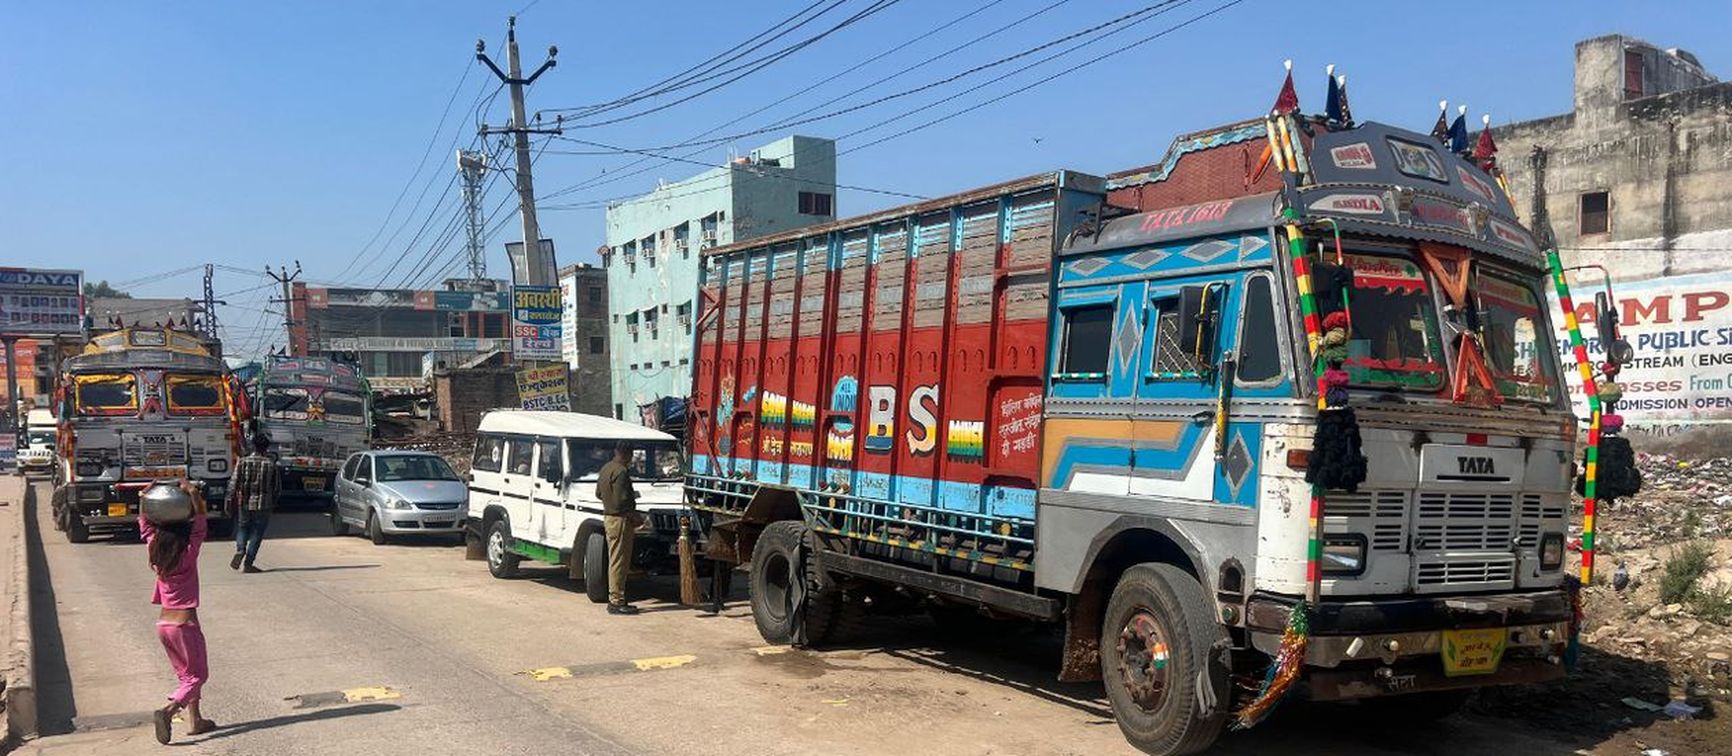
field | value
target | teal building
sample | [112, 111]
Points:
[654, 243]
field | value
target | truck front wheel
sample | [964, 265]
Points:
[1163, 661]
[780, 587]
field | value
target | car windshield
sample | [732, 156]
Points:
[651, 460]
[41, 437]
[1395, 341]
[413, 468]
[344, 407]
[1517, 349]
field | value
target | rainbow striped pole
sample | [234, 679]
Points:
[1586, 366]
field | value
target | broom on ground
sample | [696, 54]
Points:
[689, 594]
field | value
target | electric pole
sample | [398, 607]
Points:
[520, 131]
[208, 322]
[472, 166]
[285, 278]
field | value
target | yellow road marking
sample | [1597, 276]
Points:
[381, 693]
[772, 650]
[549, 673]
[663, 662]
[835, 701]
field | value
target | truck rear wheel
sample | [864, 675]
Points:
[779, 586]
[76, 530]
[1168, 685]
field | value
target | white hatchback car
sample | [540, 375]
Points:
[532, 493]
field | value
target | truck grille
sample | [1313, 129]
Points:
[153, 451]
[1464, 522]
[1480, 572]
[1381, 516]
[1536, 512]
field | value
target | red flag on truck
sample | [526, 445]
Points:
[1288, 100]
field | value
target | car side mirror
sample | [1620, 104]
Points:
[364, 482]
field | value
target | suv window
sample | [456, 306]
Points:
[547, 463]
[520, 451]
[489, 454]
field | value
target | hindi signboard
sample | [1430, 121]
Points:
[37, 302]
[535, 327]
[543, 388]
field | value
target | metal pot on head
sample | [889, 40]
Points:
[165, 504]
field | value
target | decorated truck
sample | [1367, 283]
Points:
[316, 412]
[1279, 413]
[140, 405]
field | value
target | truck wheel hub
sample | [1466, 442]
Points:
[1143, 655]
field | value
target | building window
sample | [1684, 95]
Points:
[684, 314]
[650, 320]
[1632, 74]
[1596, 214]
[618, 412]
[597, 345]
[631, 325]
[629, 252]
[815, 203]
[707, 229]
[594, 305]
[682, 234]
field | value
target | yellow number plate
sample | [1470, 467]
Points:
[117, 510]
[1473, 652]
[313, 483]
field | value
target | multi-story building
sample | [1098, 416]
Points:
[1634, 179]
[584, 328]
[653, 245]
[399, 335]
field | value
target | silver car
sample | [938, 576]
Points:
[387, 493]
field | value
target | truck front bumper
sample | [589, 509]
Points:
[1363, 649]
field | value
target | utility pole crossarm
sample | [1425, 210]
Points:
[520, 131]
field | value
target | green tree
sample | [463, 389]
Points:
[102, 289]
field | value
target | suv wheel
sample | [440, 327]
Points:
[501, 563]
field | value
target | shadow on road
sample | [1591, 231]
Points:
[55, 705]
[301, 718]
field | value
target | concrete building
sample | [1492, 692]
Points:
[1634, 179]
[400, 335]
[653, 245]
[584, 328]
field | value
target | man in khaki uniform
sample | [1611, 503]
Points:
[621, 520]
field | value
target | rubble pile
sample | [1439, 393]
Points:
[456, 448]
[1682, 499]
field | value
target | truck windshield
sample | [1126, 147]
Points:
[106, 394]
[344, 407]
[285, 404]
[195, 394]
[414, 468]
[1395, 342]
[1517, 348]
[651, 460]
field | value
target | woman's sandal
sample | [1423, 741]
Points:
[163, 719]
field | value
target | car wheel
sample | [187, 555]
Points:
[501, 563]
[375, 531]
[595, 567]
[338, 527]
[1163, 661]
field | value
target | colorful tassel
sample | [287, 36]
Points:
[1283, 672]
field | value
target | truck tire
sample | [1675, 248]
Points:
[775, 583]
[1162, 661]
[595, 567]
[76, 530]
[501, 563]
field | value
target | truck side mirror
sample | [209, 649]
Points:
[1606, 322]
[1199, 317]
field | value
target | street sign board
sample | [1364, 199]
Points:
[520, 263]
[36, 302]
[544, 388]
[535, 331]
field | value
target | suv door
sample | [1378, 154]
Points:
[486, 471]
[517, 487]
[548, 494]
[344, 491]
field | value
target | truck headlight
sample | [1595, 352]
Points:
[218, 465]
[1343, 554]
[1552, 551]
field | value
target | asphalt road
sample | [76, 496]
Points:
[343, 647]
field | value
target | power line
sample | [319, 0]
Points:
[754, 67]
[725, 167]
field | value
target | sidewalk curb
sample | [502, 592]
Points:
[19, 695]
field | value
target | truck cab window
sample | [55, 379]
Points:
[1259, 344]
[106, 394]
[1087, 334]
[1172, 357]
[195, 394]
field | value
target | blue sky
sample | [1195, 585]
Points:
[139, 138]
